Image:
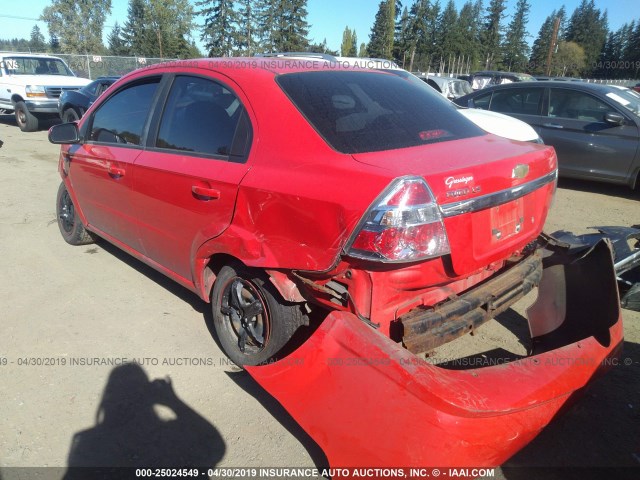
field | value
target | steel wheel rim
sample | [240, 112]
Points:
[246, 316]
[66, 213]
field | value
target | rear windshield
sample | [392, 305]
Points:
[357, 112]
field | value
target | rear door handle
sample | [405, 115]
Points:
[552, 125]
[204, 193]
[115, 171]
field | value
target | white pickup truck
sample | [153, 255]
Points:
[31, 84]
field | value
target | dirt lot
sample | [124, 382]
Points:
[67, 309]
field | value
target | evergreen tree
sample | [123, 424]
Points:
[282, 25]
[37, 42]
[246, 34]
[77, 25]
[266, 22]
[633, 51]
[219, 33]
[448, 31]
[383, 30]
[137, 37]
[116, 43]
[626, 37]
[424, 51]
[171, 22]
[293, 28]
[588, 27]
[347, 42]
[431, 46]
[515, 50]
[363, 50]
[469, 28]
[354, 48]
[618, 51]
[402, 41]
[491, 34]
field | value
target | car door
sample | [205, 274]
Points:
[586, 145]
[186, 182]
[101, 167]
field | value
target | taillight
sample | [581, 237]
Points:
[403, 225]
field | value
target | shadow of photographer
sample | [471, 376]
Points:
[143, 424]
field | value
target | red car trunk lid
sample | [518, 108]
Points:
[494, 193]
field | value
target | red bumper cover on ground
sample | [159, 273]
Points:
[368, 402]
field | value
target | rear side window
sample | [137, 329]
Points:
[358, 112]
[200, 116]
[90, 89]
[122, 117]
[482, 101]
[524, 101]
[577, 105]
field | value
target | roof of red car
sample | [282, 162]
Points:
[276, 65]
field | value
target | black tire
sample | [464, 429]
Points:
[70, 225]
[26, 120]
[70, 115]
[250, 318]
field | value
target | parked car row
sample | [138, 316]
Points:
[594, 128]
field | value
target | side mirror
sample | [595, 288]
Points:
[614, 118]
[64, 133]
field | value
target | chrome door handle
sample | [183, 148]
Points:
[552, 125]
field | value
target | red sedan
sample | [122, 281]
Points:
[277, 188]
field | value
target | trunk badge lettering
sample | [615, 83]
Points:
[455, 181]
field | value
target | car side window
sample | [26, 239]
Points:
[91, 88]
[482, 101]
[524, 101]
[122, 117]
[200, 116]
[577, 105]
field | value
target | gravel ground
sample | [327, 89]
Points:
[66, 309]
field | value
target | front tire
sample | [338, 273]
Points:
[26, 120]
[70, 115]
[251, 320]
[70, 225]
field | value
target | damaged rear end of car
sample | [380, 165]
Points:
[476, 410]
[453, 241]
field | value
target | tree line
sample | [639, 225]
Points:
[426, 36]
[419, 35]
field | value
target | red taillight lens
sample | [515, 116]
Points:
[404, 226]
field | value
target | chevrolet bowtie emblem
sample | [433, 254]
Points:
[520, 171]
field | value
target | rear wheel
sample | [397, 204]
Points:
[26, 120]
[251, 320]
[70, 225]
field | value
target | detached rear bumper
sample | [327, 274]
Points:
[368, 402]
